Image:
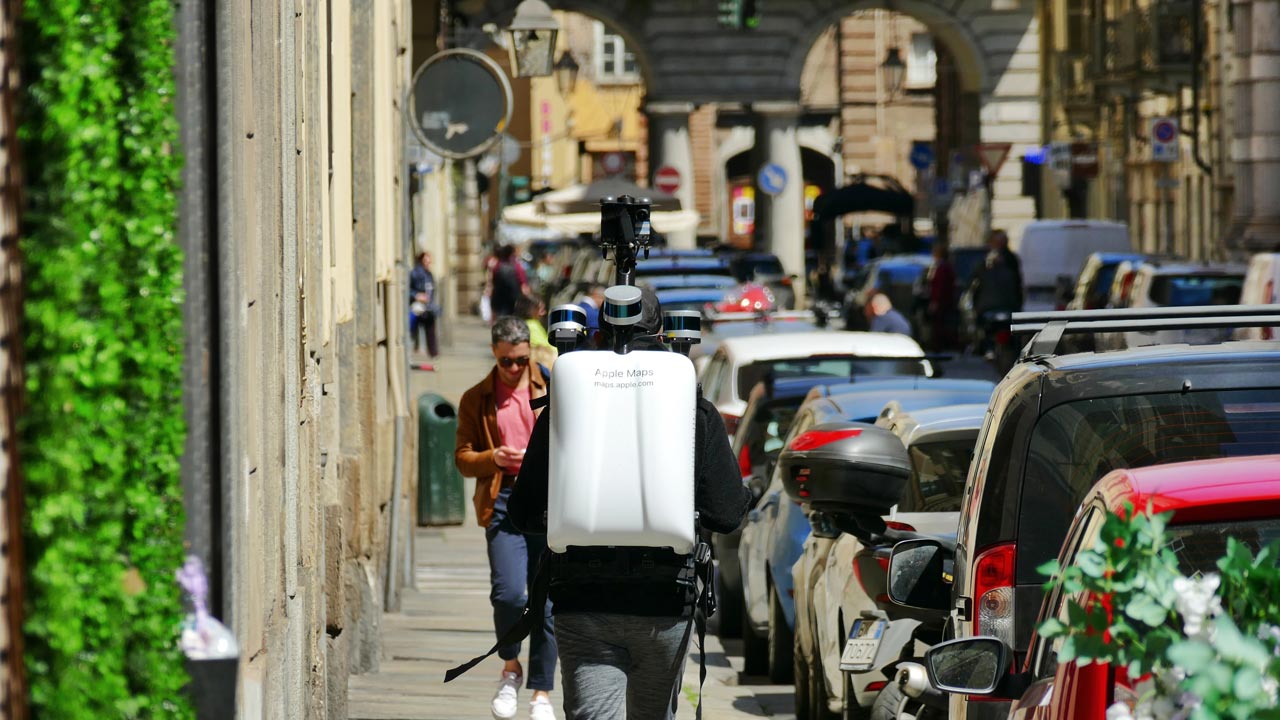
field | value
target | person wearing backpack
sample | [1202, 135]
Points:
[507, 282]
[622, 641]
[495, 419]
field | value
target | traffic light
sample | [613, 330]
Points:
[731, 13]
[750, 19]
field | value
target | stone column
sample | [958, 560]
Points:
[780, 218]
[669, 146]
[1256, 144]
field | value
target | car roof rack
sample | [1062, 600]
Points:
[1049, 327]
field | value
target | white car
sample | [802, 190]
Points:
[940, 443]
[1261, 287]
[1181, 285]
[739, 363]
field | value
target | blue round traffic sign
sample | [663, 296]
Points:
[772, 179]
[921, 155]
[1164, 131]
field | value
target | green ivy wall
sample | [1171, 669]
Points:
[103, 430]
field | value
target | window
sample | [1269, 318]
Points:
[826, 365]
[938, 472]
[922, 63]
[1075, 444]
[614, 63]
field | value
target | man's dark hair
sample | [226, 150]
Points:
[509, 329]
[647, 331]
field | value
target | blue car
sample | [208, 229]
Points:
[689, 298]
[773, 537]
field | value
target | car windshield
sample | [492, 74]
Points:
[1185, 290]
[1075, 444]
[1199, 546]
[938, 471]
[752, 267]
[1101, 283]
[834, 366]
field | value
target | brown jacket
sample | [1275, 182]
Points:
[478, 436]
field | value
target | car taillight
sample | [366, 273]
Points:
[993, 593]
[730, 423]
[818, 438]
[1126, 285]
[882, 561]
[786, 280]
[900, 526]
[744, 461]
[876, 686]
[1003, 337]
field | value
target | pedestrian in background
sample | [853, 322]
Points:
[882, 317]
[533, 310]
[591, 303]
[941, 310]
[495, 421]
[507, 282]
[998, 282]
[424, 305]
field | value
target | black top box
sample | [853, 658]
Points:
[845, 467]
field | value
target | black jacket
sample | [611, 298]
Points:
[720, 498]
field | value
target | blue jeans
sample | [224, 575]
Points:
[513, 560]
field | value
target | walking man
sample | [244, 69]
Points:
[494, 425]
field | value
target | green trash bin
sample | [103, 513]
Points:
[440, 496]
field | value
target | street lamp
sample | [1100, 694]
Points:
[894, 70]
[566, 74]
[531, 39]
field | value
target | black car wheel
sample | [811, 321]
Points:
[781, 642]
[729, 608]
[755, 649]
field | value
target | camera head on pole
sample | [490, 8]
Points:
[624, 228]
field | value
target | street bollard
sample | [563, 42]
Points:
[440, 494]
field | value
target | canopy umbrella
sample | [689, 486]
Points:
[577, 223]
[863, 197]
[586, 198]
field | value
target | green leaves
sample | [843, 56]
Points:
[102, 341]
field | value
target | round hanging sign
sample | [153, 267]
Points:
[460, 104]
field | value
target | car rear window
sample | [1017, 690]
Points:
[825, 366]
[938, 471]
[750, 267]
[1075, 444]
[1198, 547]
[1185, 290]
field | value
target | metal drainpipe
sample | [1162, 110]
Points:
[391, 599]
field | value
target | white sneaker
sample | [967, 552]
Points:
[504, 703]
[541, 709]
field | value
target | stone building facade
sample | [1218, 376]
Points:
[296, 473]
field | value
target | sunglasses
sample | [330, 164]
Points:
[507, 362]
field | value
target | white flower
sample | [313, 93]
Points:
[1270, 633]
[1119, 711]
[1197, 601]
[1271, 687]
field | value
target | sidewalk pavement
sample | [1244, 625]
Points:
[447, 620]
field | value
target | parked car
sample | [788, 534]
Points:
[1093, 284]
[770, 408]
[690, 298]
[1058, 423]
[1183, 285]
[1052, 249]
[765, 269]
[899, 383]
[739, 363]
[939, 442]
[1261, 287]
[775, 531]
[693, 280]
[1211, 500]
[893, 275]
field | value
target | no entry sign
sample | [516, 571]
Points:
[667, 180]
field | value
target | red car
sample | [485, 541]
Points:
[1210, 499]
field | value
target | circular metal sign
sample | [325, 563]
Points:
[461, 103]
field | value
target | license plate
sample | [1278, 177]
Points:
[860, 649]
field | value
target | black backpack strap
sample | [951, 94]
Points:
[545, 400]
[534, 613]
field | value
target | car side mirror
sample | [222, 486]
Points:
[919, 574]
[968, 666]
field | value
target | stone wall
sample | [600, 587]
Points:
[311, 246]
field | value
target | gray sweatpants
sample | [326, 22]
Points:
[615, 667]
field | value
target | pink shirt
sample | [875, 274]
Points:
[515, 419]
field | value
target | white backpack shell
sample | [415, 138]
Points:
[621, 451]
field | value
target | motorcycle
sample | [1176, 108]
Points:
[891, 639]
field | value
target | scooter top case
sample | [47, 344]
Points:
[846, 467]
